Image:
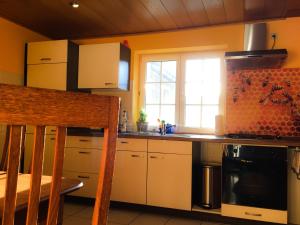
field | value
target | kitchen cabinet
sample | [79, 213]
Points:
[82, 161]
[104, 66]
[169, 181]
[52, 65]
[130, 172]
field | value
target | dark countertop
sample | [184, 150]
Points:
[284, 141]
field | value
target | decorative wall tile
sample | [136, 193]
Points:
[263, 102]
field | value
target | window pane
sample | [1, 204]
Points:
[192, 93]
[193, 70]
[168, 93]
[193, 116]
[208, 116]
[168, 113]
[169, 71]
[152, 114]
[210, 99]
[153, 72]
[211, 68]
[153, 93]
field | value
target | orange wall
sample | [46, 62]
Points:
[12, 42]
[229, 36]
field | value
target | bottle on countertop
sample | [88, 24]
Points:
[124, 122]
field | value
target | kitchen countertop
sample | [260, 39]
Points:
[284, 141]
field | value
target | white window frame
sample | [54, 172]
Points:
[180, 79]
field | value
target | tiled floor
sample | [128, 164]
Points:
[80, 214]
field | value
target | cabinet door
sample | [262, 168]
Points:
[89, 180]
[48, 153]
[99, 66]
[47, 52]
[82, 160]
[129, 180]
[169, 180]
[51, 76]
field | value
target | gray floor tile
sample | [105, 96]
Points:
[122, 216]
[183, 221]
[72, 208]
[150, 219]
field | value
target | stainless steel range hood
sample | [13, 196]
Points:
[255, 54]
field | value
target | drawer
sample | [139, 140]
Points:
[165, 146]
[49, 76]
[49, 129]
[47, 52]
[252, 213]
[90, 182]
[83, 160]
[84, 142]
[132, 144]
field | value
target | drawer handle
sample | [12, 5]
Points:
[153, 157]
[84, 152]
[84, 177]
[53, 130]
[84, 140]
[124, 142]
[45, 59]
[52, 139]
[252, 214]
[108, 83]
[135, 156]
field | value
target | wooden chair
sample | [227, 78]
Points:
[41, 107]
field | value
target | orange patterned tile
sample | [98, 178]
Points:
[275, 115]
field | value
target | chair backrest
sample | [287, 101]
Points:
[21, 106]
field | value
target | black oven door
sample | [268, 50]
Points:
[255, 176]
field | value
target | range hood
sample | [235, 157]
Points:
[255, 54]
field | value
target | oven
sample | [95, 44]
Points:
[254, 182]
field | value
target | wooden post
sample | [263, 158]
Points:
[36, 175]
[12, 176]
[107, 166]
[56, 177]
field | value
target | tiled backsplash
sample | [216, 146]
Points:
[264, 102]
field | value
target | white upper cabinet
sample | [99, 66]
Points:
[47, 52]
[52, 65]
[104, 66]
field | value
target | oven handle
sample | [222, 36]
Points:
[252, 214]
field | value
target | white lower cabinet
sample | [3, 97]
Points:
[82, 161]
[169, 180]
[48, 153]
[89, 180]
[129, 180]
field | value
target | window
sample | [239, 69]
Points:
[160, 91]
[182, 89]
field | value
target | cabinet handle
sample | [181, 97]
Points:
[135, 156]
[84, 177]
[45, 59]
[84, 140]
[108, 83]
[84, 152]
[252, 214]
[124, 142]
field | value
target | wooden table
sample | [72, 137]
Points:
[68, 185]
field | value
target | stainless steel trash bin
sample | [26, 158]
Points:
[211, 186]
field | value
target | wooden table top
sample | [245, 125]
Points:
[68, 185]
